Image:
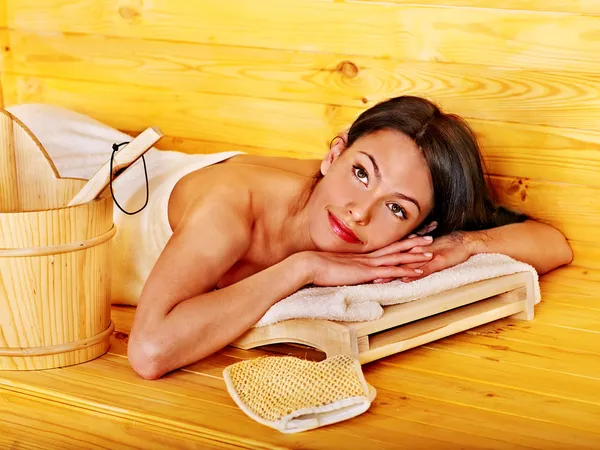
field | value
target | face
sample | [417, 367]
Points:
[373, 194]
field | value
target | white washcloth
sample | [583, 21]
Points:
[365, 301]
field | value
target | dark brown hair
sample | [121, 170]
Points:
[462, 198]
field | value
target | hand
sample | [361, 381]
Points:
[338, 269]
[448, 251]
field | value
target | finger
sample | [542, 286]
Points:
[395, 272]
[421, 249]
[418, 265]
[383, 280]
[396, 259]
[435, 265]
[402, 246]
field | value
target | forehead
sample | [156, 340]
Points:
[401, 162]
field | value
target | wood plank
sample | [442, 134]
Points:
[571, 6]
[587, 254]
[444, 419]
[541, 153]
[489, 93]
[538, 152]
[403, 375]
[33, 422]
[572, 285]
[198, 399]
[509, 38]
[301, 127]
[542, 361]
[546, 153]
[573, 209]
[3, 14]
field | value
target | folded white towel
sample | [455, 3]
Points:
[364, 302]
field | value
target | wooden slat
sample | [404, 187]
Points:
[34, 422]
[573, 209]
[300, 127]
[522, 39]
[521, 150]
[587, 254]
[544, 362]
[533, 97]
[3, 14]
[543, 153]
[428, 396]
[570, 6]
[196, 401]
[536, 333]
[464, 389]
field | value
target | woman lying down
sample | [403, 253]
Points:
[225, 236]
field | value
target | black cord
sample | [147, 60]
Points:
[115, 148]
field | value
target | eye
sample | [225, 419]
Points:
[361, 174]
[397, 210]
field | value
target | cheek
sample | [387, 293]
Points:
[387, 230]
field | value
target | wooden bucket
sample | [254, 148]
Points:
[54, 260]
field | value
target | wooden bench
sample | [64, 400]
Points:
[281, 78]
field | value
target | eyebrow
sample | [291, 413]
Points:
[378, 176]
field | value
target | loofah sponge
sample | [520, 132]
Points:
[291, 394]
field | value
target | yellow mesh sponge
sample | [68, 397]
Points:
[291, 394]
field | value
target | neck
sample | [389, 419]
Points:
[291, 232]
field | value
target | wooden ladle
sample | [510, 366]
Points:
[124, 158]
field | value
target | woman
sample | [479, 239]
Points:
[246, 232]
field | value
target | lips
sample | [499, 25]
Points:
[342, 230]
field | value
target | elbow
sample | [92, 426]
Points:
[561, 255]
[564, 250]
[145, 358]
[567, 254]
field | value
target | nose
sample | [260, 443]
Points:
[358, 212]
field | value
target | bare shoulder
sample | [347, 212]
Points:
[234, 181]
[299, 166]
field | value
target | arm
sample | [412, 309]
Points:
[180, 319]
[535, 243]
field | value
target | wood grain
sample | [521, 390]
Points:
[521, 39]
[558, 99]
[571, 6]
[425, 405]
[573, 209]
[34, 422]
[298, 127]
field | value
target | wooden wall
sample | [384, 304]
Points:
[282, 77]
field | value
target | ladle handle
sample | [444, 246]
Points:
[123, 159]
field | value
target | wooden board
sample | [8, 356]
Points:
[481, 92]
[489, 37]
[503, 376]
[570, 6]
[408, 325]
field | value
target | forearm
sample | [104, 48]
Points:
[535, 243]
[201, 325]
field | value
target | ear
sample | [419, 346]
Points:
[338, 145]
[425, 229]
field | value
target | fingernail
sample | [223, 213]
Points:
[378, 280]
[428, 238]
[412, 236]
[428, 255]
[405, 279]
[419, 270]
